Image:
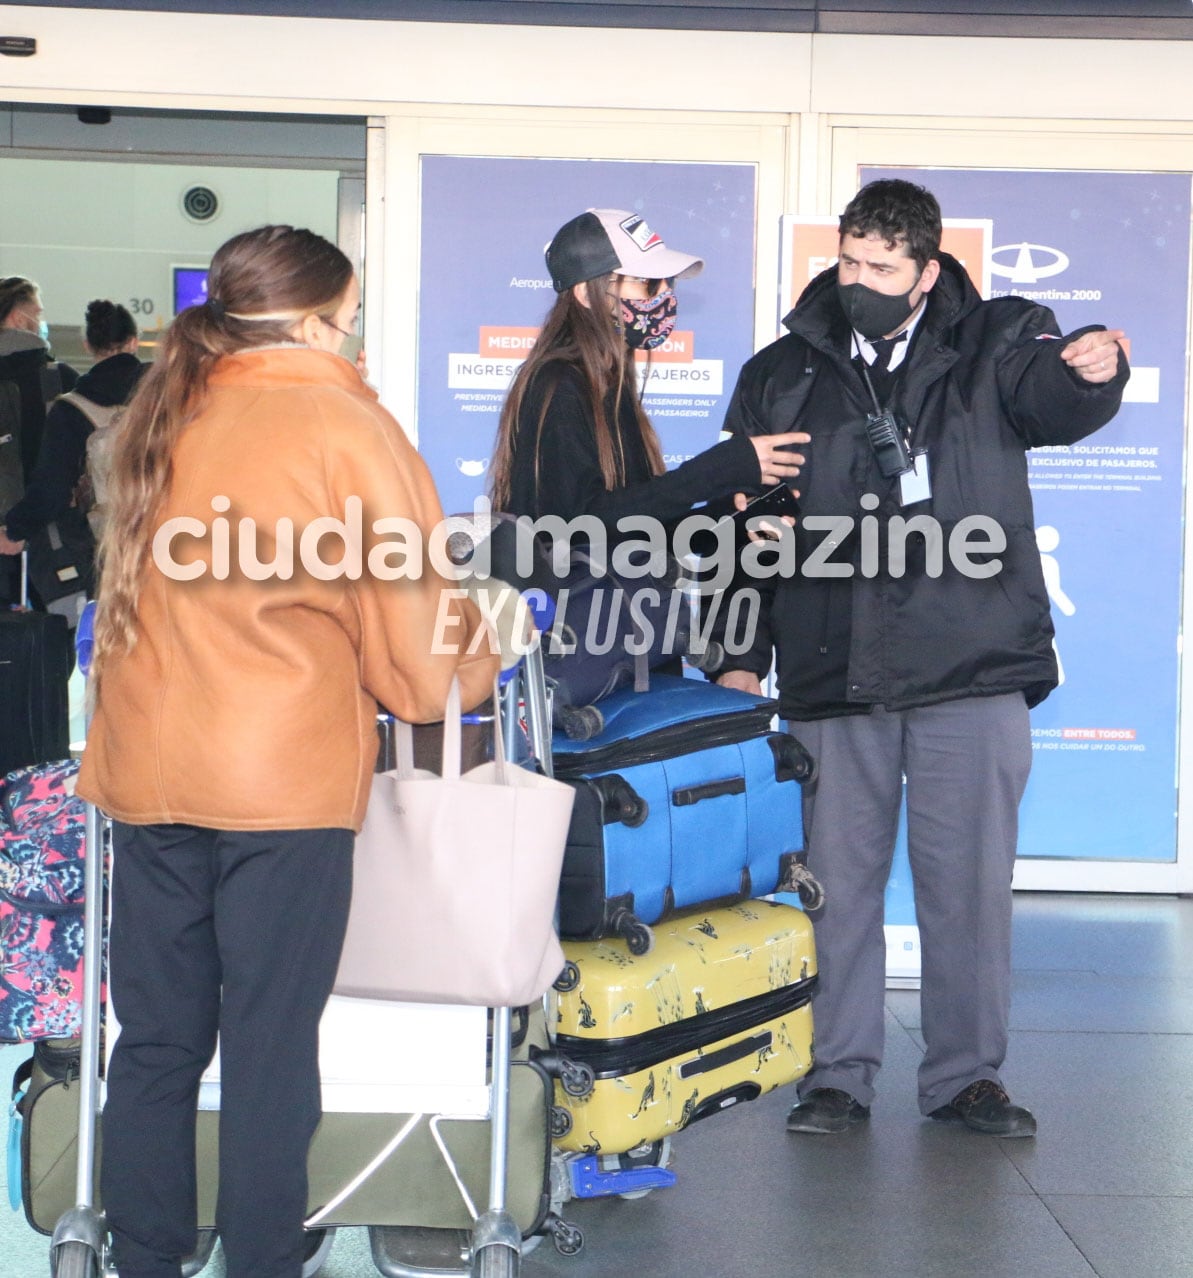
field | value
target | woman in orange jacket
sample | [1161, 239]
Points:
[252, 615]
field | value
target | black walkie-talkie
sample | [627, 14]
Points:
[886, 433]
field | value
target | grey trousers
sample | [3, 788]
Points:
[966, 764]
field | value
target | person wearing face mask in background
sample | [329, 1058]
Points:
[573, 438]
[30, 378]
[924, 674]
[234, 733]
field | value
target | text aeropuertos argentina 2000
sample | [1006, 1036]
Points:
[400, 550]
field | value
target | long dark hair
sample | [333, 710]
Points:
[586, 338]
[276, 273]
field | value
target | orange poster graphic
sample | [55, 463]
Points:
[810, 246]
[506, 342]
[498, 341]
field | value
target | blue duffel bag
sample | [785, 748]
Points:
[687, 797]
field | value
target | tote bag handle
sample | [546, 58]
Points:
[449, 763]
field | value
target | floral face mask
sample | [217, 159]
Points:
[647, 322]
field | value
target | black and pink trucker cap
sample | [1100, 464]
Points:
[612, 240]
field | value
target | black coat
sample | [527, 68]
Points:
[63, 453]
[556, 470]
[982, 382]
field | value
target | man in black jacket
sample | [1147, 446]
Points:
[914, 634]
[29, 377]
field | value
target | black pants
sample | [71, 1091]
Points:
[240, 934]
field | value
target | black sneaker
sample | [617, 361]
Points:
[826, 1110]
[985, 1107]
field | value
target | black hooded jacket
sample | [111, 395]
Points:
[982, 383]
[25, 360]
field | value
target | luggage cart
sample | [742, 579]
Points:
[493, 1249]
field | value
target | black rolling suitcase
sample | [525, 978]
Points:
[36, 659]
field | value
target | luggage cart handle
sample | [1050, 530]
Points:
[542, 611]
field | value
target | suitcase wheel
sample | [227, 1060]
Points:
[568, 979]
[792, 761]
[655, 1153]
[802, 880]
[581, 724]
[620, 801]
[709, 659]
[577, 1078]
[568, 1239]
[639, 938]
[561, 1122]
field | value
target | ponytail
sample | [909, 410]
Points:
[261, 284]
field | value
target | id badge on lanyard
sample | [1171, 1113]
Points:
[914, 484]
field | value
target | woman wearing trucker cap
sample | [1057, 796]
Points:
[573, 437]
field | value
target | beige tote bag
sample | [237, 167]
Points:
[455, 880]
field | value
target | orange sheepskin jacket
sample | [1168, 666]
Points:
[249, 699]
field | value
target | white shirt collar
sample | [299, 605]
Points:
[898, 352]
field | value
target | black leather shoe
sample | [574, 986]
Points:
[826, 1110]
[985, 1107]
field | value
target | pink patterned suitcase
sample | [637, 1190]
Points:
[41, 903]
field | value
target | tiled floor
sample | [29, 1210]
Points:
[1101, 1049]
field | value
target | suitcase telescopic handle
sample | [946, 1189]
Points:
[685, 796]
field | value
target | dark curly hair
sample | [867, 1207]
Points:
[900, 213]
[108, 325]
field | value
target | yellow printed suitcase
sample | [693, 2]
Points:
[718, 1012]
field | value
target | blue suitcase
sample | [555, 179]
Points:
[686, 798]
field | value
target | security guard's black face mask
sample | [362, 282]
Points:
[875, 314]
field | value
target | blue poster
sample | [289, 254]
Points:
[484, 290]
[1111, 249]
